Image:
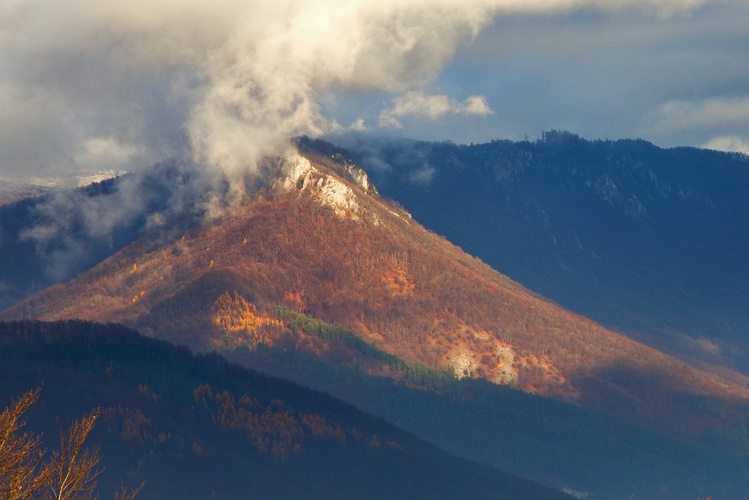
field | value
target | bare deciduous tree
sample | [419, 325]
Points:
[21, 476]
[70, 473]
[73, 469]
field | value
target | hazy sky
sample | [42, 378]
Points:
[93, 84]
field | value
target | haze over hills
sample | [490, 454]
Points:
[315, 266]
[650, 241]
[12, 191]
[54, 234]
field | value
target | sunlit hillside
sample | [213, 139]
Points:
[319, 246]
[647, 240]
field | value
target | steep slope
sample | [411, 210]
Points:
[647, 240]
[52, 237]
[197, 427]
[319, 246]
[577, 450]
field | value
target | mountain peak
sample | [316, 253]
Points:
[329, 189]
[331, 253]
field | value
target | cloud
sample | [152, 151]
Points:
[729, 143]
[431, 106]
[30, 128]
[680, 114]
[97, 151]
[227, 85]
[74, 229]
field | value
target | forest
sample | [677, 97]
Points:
[197, 426]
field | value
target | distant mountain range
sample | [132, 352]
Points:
[14, 189]
[649, 241]
[315, 277]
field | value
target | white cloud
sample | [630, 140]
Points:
[232, 82]
[430, 106]
[477, 105]
[729, 143]
[101, 153]
[423, 176]
[32, 119]
[680, 114]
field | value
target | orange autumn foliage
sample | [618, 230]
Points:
[233, 313]
[395, 285]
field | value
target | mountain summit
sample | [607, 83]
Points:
[318, 246]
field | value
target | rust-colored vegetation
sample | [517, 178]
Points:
[235, 315]
[274, 429]
[398, 287]
[26, 472]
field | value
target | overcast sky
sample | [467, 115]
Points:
[99, 84]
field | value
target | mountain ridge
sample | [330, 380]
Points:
[197, 426]
[352, 261]
[311, 271]
[645, 240]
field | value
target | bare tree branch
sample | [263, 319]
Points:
[70, 474]
[124, 494]
[73, 468]
[20, 455]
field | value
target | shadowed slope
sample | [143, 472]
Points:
[320, 245]
[197, 427]
[651, 241]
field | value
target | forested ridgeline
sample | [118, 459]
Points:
[552, 442]
[196, 426]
